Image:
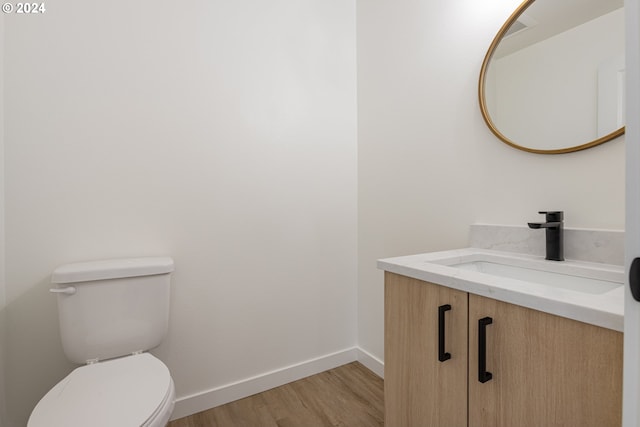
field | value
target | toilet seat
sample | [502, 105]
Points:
[133, 391]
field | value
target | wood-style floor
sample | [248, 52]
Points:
[348, 396]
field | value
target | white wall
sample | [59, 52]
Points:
[3, 343]
[2, 263]
[220, 133]
[428, 165]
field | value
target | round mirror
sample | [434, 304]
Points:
[552, 80]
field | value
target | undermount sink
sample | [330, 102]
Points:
[573, 280]
[589, 292]
[577, 276]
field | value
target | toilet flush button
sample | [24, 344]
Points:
[69, 290]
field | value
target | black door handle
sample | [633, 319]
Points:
[483, 375]
[634, 279]
[442, 355]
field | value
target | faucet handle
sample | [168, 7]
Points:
[553, 216]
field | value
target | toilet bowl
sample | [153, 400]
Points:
[135, 390]
[111, 312]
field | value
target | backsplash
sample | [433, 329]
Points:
[606, 246]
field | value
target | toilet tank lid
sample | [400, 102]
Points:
[112, 269]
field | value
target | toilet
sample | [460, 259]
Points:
[111, 312]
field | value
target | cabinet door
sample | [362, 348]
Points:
[420, 390]
[546, 370]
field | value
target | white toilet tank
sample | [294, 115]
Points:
[112, 308]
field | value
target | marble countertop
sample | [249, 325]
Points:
[604, 309]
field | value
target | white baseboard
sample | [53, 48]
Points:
[217, 396]
[371, 362]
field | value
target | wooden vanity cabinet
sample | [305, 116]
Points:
[546, 371]
[419, 390]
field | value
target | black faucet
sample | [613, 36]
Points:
[555, 234]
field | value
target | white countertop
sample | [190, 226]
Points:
[605, 309]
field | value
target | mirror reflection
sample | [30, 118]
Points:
[553, 79]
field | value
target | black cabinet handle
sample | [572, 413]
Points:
[483, 375]
[442, 355]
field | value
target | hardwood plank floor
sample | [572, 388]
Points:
[348, 396]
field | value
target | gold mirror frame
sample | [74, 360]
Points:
[483, 106]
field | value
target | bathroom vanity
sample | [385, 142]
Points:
[476, 337]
